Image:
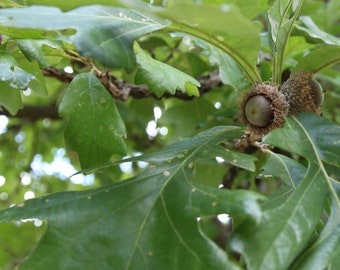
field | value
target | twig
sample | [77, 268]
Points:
[121, 90]
[34, 113]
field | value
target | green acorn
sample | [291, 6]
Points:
[303, 93]
[263, 108]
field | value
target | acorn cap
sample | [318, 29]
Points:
[303, 93]
[263, 108]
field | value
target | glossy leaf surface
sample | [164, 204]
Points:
[102, 32]
[13, 75]
[137, 223]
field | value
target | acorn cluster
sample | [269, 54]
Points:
[264, 107]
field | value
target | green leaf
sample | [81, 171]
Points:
[250, 8]
[286, 228]
[95, 129]
[315, 33]
[320, 253]
[280, 26]
[191, 114]
[323, 137]
[33, 50]
[333, 13]
[67, 5]
[105, 33]
[230, 72]
[137, 223]
[38, 84]
[288, 171]
[237, 159]
[322, 57]
[11, 74]
[162, 78]
[225, 28]
[10, 98]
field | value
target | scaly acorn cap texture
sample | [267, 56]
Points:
[303, 93]
[263, 108]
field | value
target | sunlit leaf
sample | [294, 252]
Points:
[154, 214]
[162, 78]
[94, 130]
[67, 5]
[106, 33]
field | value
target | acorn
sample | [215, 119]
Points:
[263, 108]
[303, 93]
[258, 111]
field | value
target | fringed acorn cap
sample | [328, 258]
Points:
[263, 108]
[303, 93]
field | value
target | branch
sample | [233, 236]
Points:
[59, 74]
[121, 90]
[141, 91]
[34, 113]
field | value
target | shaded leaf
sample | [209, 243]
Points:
[322, 251]
[217, 26]
[289, 171]
[162, 78]
[230, 72]
[33, 50]
[314, 32]
[191, 114]
[94, 129]
[38, 84]
[237, 159]
[323, 138]
[333, 12]
[322, 57]
[154, 214]
[285, 229]
[10, 98]
[106, 33]
[280, 26]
